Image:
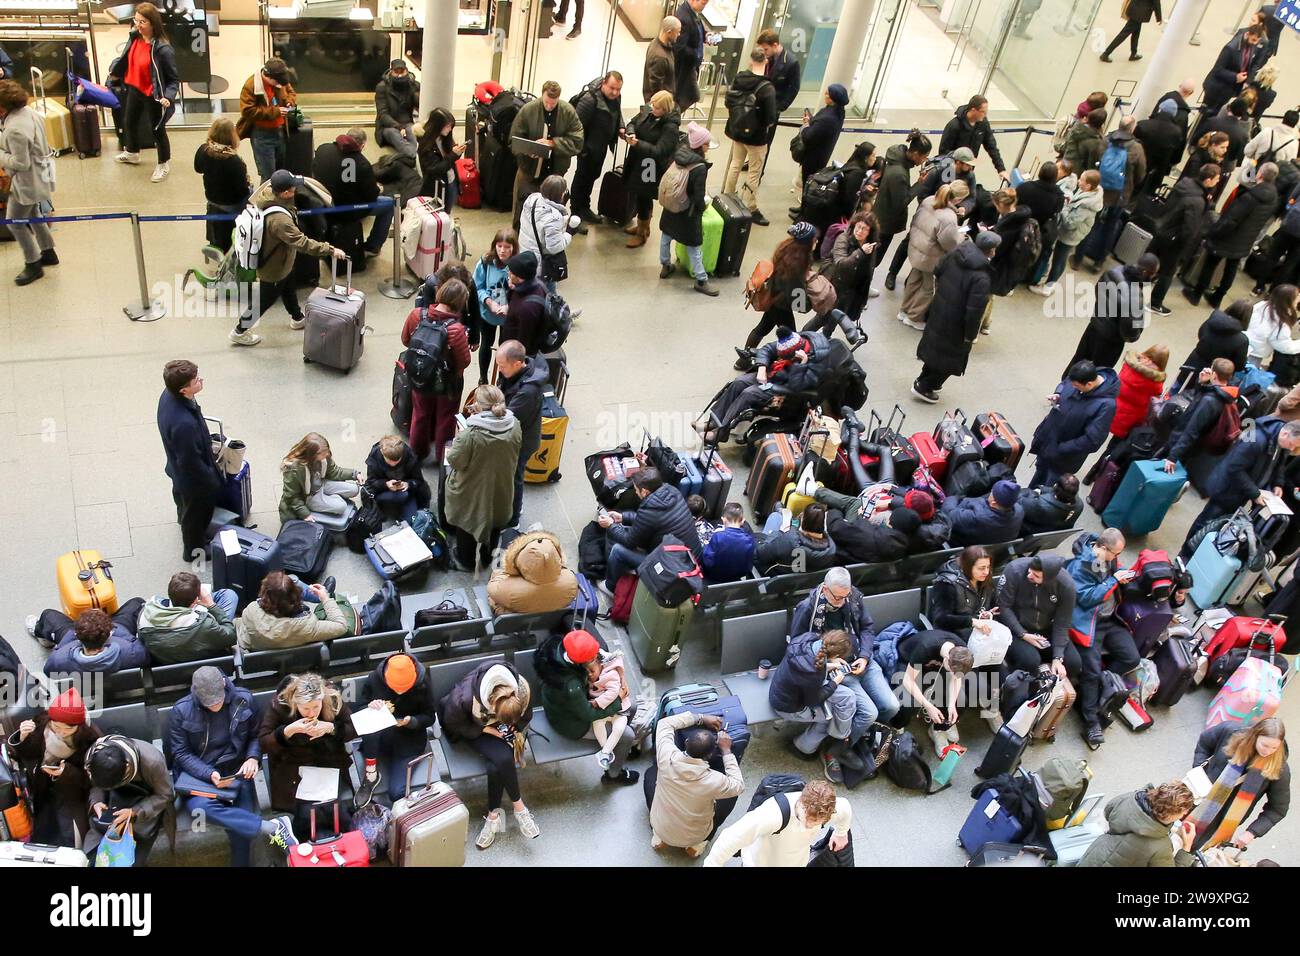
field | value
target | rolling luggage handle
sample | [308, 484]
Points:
[426, 791]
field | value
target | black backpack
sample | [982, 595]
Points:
[970, 479]
[777, 785]
[557, 321]
[1025, 253]
[821, 193]
[744, 120]
[426, 358]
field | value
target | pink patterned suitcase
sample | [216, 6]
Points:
[426, 235]
[1253, 692]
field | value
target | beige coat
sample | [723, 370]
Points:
[260, 631]
[682, 812]
[282, 240]
[934, 234]
[532, 578]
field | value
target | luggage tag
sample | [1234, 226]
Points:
[992, 809]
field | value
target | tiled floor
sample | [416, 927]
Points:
[79, 385]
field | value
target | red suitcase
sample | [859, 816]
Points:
[471, 196]
[999, 440]
[342, 849]
[932, 455]
[1241, 632]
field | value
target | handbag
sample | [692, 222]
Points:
[555, 265]
[117, 849]
[446, 611]
[798, 147]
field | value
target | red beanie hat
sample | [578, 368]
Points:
[921, 502]
[581, 647]
[68, 708]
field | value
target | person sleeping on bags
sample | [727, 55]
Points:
[795, 362]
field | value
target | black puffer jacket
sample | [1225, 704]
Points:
[1179, 227]
[656, 140]
[1162, 140]
[1045, 609]
[1234, 235]
[975, 136]
[378, 472]
[953, 600]
[1220, 336]
[686, 226]
[417, 703]
[865, 541]
[799, 376]
[524, 397]
[1009, 228]
[895, 191]
[1210, 401]
[952, 323]
[1045, 512]
[602, 120]
[661, 512]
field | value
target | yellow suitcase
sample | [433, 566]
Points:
[85, 581]
[790, 498]
[58, 118]
[544, 465]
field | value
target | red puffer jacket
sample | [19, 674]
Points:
[1138, 384]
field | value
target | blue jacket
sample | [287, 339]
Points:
[729, 555]
[783, 71]
[189, 743]
[1091, 590]
[6, 65]
[123, 651]
[188, 445]
[861, 627]
[797, 681]
[491, 281]
[1077, 425]
[975, 521]
[1248, 466]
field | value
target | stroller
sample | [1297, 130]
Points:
[844, 385]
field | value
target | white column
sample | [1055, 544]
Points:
[846, 49]
[438, 59]
[1160, 76]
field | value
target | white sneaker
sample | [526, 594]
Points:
[132, 159]
[30, 624]
[244, 338]
[902, 317]
[297, 324]
[160, 172]
[985, 331]
[604, 759]
[807, 483]
[1043, 289]
[491, 827]
[919, 326]
[873, 294]
[940, 741]
[527, 825]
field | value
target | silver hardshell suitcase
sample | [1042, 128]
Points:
[1133, 242]
[431, 825]
[335, 323]
[14, 853]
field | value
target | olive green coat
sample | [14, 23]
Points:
[480, 491]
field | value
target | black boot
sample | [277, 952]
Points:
[49, 257]
[31, 272]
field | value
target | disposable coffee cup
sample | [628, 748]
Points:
[763, 667]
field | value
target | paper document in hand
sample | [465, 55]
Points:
[1273, 505]
[317, 784]
[371, 720]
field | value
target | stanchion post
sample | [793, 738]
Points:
[146, 309]
[1024, 145]
[399, 286]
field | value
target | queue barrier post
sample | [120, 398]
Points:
[146, 309]
[399, 286]
[1024, 145]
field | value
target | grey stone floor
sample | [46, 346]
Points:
[83, 464]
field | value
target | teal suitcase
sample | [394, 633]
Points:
[712, 225]
[656, 633]
[1144, 497]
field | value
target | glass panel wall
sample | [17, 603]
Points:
[1046, 40]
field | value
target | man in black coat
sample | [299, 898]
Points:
[1237, 64]
[970, 127]
[342, 169]
[688, 53]
[1182, 111]
[1213, 395]
[1136, 13]
[1163, 142]
[1118, 314]
[1042, 197]
[963, 284]
[1256, 462]
[196, 479]
[1177, 232]
[631, 535]
[1052, 509]
[599, 106]
[1036, 597]
[1233, 236]
[523, 381]
[397, 100]
[782, 69]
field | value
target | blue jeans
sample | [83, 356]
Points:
[227, 600]
[622, 560]
[401, 503]
[304, 590]
[1105, 233]
[876, 700]
[380, 228]
[270, 151]
[392, 136]
[1060, 258]
[835, 718]
[241, 818]
[695, 252]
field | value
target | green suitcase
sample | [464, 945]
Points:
[712, 225]
[656, 633]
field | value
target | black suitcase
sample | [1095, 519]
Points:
[1004, 753]
[901, 449]
[85, 131]
[300, 150]
[1150, 207]
[401, 411]
[258, 556]
[614, 202]
[954, 436]
[1176, 665]
[736, 224]
[305, 548]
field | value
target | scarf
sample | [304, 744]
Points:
[220, 149]
[1233, 794]
[56, 747]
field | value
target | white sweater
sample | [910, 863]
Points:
[755, 836]
[1266, 335]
